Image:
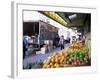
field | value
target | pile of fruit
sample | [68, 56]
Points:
[78, 47]
[75, 55]
[56, 60]
[77, 58]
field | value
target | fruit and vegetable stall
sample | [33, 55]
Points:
[75, 55]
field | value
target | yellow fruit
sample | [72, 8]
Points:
[48, 66]
[45, 66]
[52, 60]
[61, 61]
[56, 60]
[56, 65]
[60, 53]
[51, 64]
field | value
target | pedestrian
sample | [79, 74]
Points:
[81, 39]
[61, 42]
[56, 40]
[25, 44]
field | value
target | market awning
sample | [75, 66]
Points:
[68, 19]
[55, 16]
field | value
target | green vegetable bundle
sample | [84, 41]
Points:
[77, 58]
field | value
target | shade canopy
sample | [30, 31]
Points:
[68, 19]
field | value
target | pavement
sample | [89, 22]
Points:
[39, 57]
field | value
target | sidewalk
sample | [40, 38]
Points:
[39, 57]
